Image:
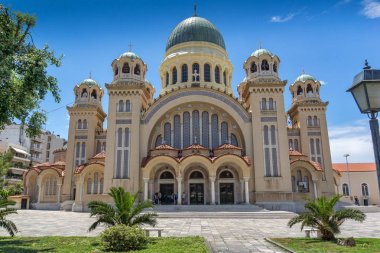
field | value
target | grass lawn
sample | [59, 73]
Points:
[92, 244]
[311, 245]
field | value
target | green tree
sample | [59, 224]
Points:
[24, 81]
[321, 214]
[126, 211]
[4, 211]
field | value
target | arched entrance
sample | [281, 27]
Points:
[226, 187]
[166, 183]
[197, 185]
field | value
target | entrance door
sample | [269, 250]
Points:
[196, 194]
[226, 193]
[167, 191]
[24, 203]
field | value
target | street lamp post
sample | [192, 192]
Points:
[366, 92]
[348, 174]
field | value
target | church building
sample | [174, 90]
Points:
[195, 138]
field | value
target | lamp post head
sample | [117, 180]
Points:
[346, 155]
[366, 89]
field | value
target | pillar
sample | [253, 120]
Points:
[246, 190]
[39, 193]
[212, 181]
[59, 193]
[179, 194]
[146, 181]
[315, 189]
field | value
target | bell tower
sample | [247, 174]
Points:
[129, 94]
[308, 114]
[86, 117]
[262, 91]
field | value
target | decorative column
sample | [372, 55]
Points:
[212, 181]
[81, 182]
[59, 193]
[179, 194]
[315, 189]
[146, 181]
[39, 193]
[242, 191]
[246, 190]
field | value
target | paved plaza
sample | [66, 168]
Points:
[224, 235]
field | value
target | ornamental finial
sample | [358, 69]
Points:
[366, 66]
[195, 9]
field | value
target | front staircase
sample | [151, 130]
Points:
[219, 211]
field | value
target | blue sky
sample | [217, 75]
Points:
[328, 39]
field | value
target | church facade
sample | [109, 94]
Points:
[196, 139]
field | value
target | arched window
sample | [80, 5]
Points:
[215, 130]
[121, 106]
[104, 146]
[116, 71]
[365, 191]
[128, 106]
[309, 90]
[226, 174]
[253, 67]
[77, 154]
[184, 73]
[126, 68]
[291, 144]
[101, 183]
[98, 147]
[196, 128]
[299, 91]
[167, 133]
[83, 149]
[264, 65]
[167, 78]
[224, 78]
[85, 124]
[217, 74]
[270, 104]
[205, 129]
[96, 182]
[296, 145]
[346, 191]
[196, 175]
[315, 121]
[80, 124]
[224, 132]
[309, 121]
[174, 75]
[186, 129]
[306, 181]
[234, 140]
[177, 131]
[207, 76]
[137, 69]
[275, 67]
[195, 72]
[264, 104]
[89, 186]
[166, 175]
[158, 141]
[93, 94]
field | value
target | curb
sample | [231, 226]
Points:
[210, 249]
[279, 245]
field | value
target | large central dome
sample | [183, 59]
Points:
[195, 29]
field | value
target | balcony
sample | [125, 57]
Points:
[35, 148]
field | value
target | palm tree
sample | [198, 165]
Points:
[4, 211]
[320, 214]
[126, 211]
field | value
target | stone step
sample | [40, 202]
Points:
[365, 209]
[229, 215]
[208, 208]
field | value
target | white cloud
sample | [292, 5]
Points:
[322, 82]
[354, 139]
[279, 19]
[371, 9]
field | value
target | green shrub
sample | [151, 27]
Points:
[123, 238]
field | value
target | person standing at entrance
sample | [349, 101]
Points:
[183, 198]
[159, 198]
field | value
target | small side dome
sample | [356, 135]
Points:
[262, 51]
[305, 77]
[90, 82]
[130, 55]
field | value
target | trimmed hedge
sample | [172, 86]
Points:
[123, 238]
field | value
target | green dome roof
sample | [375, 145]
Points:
[195, 29]
[130, 55]
[90, 82]
[305, 77]
[261, 51]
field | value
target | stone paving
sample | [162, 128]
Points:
[224, 235]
